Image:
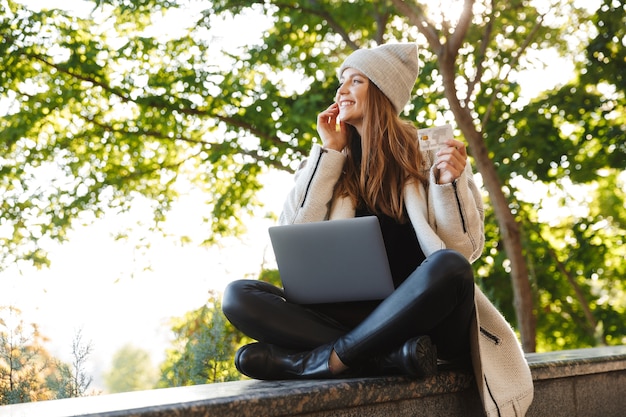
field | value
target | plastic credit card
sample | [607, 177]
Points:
[432, 138]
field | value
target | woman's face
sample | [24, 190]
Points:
[351, 97]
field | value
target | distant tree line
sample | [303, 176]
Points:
[201, 352]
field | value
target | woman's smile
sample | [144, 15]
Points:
[351, 96]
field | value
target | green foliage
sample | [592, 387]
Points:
[571, 142]
[270, 275]
[131, 370]
[579, 268]
[97, 117]
[203, 348]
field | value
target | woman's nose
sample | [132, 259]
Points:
[341, 89]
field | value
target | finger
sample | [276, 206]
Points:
[460, 147]
[453, 144]
[331, 112]
[326, 118]
[447, 165]
[450, 169]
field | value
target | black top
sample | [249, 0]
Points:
[403, 249]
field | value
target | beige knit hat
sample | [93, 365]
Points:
[392, 67]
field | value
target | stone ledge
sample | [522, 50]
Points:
[581, 382]
[255, 398]
[568, 363]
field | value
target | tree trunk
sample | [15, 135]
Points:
[511, 235]
[509, 228]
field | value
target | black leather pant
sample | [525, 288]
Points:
[437, 299]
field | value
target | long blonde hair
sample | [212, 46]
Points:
[382, 160]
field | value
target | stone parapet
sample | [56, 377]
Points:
[583, 382]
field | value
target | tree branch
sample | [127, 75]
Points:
[337, 28]
[160, 136]
[503, 79]
[230, 121]
[381, 26]
[465, 20]
[414, 13]
[480, 58]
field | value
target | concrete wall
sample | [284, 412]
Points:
[585, 382]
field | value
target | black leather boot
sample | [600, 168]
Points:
[269, 362]
[417, 357]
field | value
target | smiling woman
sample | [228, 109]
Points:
[430, 215]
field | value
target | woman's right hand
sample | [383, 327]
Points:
[332, 137]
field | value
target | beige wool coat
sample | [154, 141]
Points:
[443, 216]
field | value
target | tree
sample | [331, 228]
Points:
[96, 115]
[23, 361]
[131, 370]
[203, 347]
[578, 258]
[72, 380]
[111, 114]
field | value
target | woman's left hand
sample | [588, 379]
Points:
[451, 161]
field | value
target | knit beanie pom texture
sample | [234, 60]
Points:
[392, 67]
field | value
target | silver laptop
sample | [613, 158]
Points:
[332, 261]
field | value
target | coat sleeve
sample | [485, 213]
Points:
[310, 198]
[456, 214]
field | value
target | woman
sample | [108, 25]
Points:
[431, 216]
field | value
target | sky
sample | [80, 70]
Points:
[98, 285]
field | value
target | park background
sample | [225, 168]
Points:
[126, 291]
